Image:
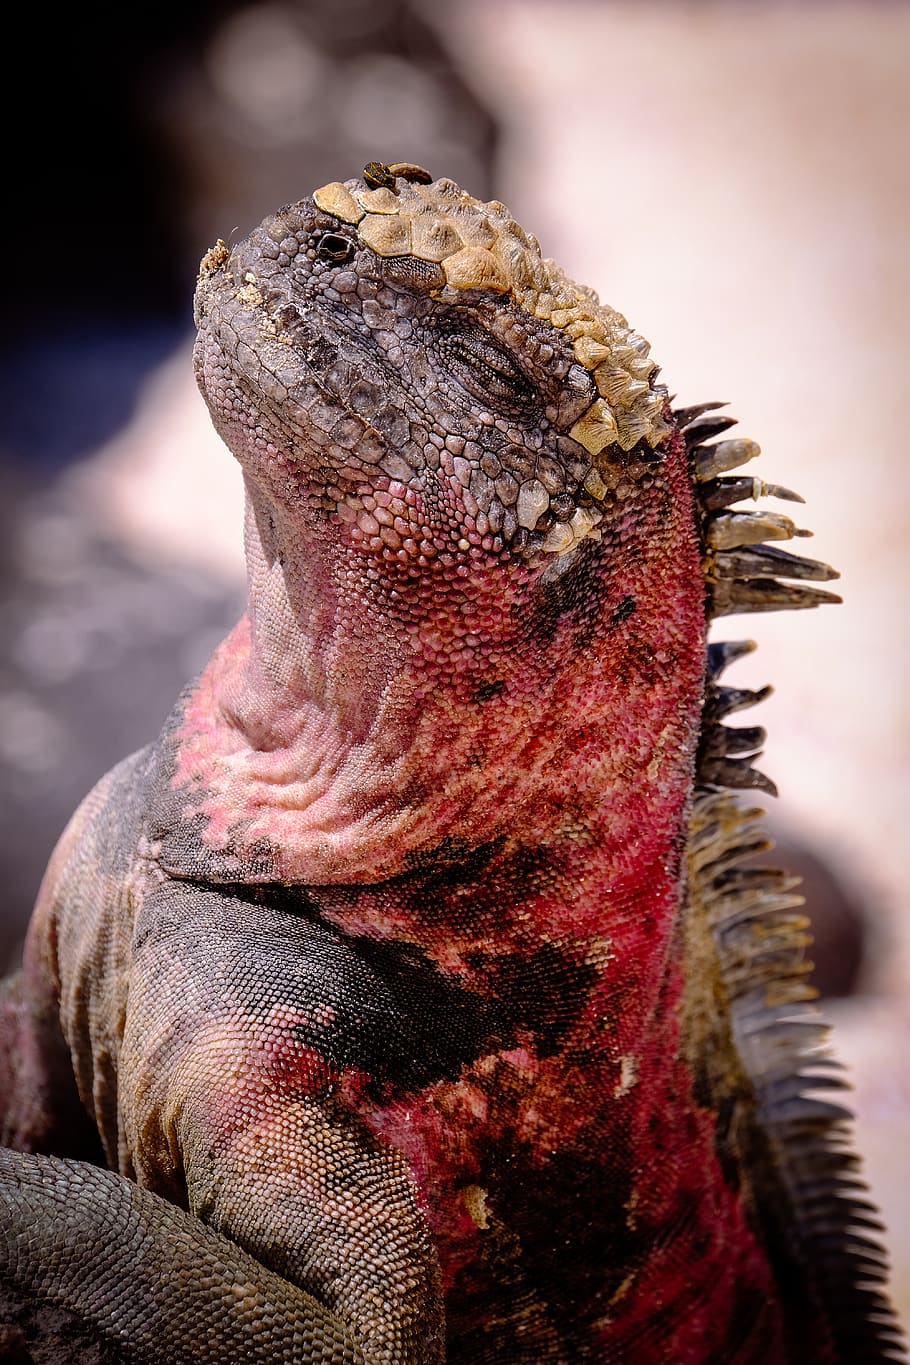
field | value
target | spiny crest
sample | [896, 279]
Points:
[742, 573]
[397, 212]
[811, 1195]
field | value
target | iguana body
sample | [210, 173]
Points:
[410, 960]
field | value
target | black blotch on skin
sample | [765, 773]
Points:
[623, 610]
[487, 690]
[447, 1026]
[577, 1201]
[452, 862]
[572, 593]
[381, 1008]
[529, 867]
[543, 992]
[478, 1327]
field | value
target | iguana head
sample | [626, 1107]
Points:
[477, 599]
[402, 332]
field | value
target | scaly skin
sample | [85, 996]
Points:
[369, 971]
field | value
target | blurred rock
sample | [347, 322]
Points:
[97, 646]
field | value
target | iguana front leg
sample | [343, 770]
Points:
[241, 1022]
[148, 1276]
[234, 1038]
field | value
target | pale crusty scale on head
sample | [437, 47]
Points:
[337, 200]
[596, 428]
[386, 234]
[480, 246]
[381, 200]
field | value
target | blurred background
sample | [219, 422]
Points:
[734, 177]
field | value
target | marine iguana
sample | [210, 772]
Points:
[408, 1000]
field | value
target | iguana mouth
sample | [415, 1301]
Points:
[314, 349]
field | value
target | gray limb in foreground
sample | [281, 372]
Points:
[148, 1276]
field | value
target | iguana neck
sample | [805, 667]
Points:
[358, 730]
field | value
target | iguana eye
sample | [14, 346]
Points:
[484, 368]
[333, 247]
